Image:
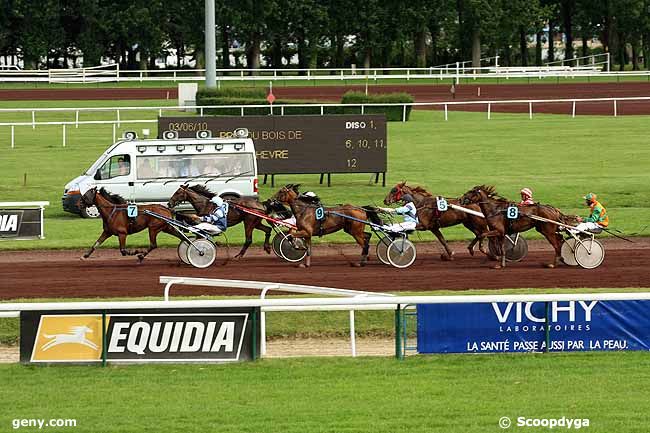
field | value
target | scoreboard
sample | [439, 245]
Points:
[300, 144]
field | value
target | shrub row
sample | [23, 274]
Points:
[234, 96]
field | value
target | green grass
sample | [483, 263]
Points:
[451, 393]
[559, 157]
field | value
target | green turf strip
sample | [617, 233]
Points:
[559, 157]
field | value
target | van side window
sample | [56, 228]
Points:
[118, 165]
[190, 166]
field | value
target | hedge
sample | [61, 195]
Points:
[249, 96]
[393, 113]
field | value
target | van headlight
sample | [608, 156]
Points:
[73, 188]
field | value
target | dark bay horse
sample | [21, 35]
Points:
[494, 208]
[113, 210]
[430, 218]
[199, 197]
[304, 209]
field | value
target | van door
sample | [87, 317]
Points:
[116, 174]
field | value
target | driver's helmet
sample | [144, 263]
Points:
[590, 198]
[407, 198]
[526, 193]
[217, 200]
[310, 194]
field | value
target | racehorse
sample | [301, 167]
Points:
[430, 218]
[113, 210]
[199, 197]
[494, 207]
[304, 209]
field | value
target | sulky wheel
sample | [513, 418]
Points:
[382, 250]
[589, 253]
[292, 249]
[568, 252]
[201, 253]
[516, 248]
[276, 244]
[182, 251]
[401, 253]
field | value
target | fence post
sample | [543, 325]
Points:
[118, 117]
[281, 110]
[12, 136]
[404, 113]
[573, 109]
[242, 111]
[76, 119]
[489, 110]
[530, 110]
[33, 120]
[398, 333]
[322, 109]
[201, 110]
[445, 111]
[362, 109]
[64, 135]
[615, 109]
[353, 341]
[114, 133]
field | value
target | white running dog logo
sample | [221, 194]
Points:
[76, 335]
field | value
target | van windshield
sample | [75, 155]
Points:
[175, 166]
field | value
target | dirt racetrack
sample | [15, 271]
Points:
[421, 93]
[51, 274]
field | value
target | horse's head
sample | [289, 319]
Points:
[287, 194]
[474, 195]
[396, 193]
[88, 198]
[179, 196]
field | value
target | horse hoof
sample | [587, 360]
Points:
[237, 257]
[357, 265]
[497, 267]
[446, 258]
[84, 258]
[267, 250]
[550, 265]
[302, 265]
[471, 251]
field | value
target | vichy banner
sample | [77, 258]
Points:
[533, 326]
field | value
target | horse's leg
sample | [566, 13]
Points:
[153, 234]
[267, 235]
[105, 235]
[123, 250]
[443, 241]
[556, 241]
[249, 225]
[363, 240]
[307, 263]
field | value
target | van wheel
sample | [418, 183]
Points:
[89, 212]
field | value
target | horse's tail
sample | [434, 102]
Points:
[373, 215]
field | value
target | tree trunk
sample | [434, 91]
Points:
[621, 52]
[585, 45]
[567, 18]
[538, 48]
[476, 48]
[523, 46]
[340, 53]
[646, 50]
[367, 54]
[635, 56]
[421, 49]
[225, 47]
[276, 53]
[253, 54]
[551, 41]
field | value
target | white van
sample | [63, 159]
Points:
[150, 171]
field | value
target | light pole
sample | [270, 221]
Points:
[210, 46]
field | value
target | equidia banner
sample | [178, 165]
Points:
[533, 326]
[220, 335]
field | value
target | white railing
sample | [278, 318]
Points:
[276, 109]
[303, 304]
[264, 288]
[602, 60]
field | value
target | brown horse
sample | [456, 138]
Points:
[494, 207]
[430, 218]
[304, 209]
[199, 197]
[113, 210]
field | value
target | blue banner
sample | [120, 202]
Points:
[532, 326]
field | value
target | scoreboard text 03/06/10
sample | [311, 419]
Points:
[301, 144]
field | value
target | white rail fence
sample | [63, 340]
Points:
[593, 65]
[265, 287]
[369, 301]
[277, 109]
